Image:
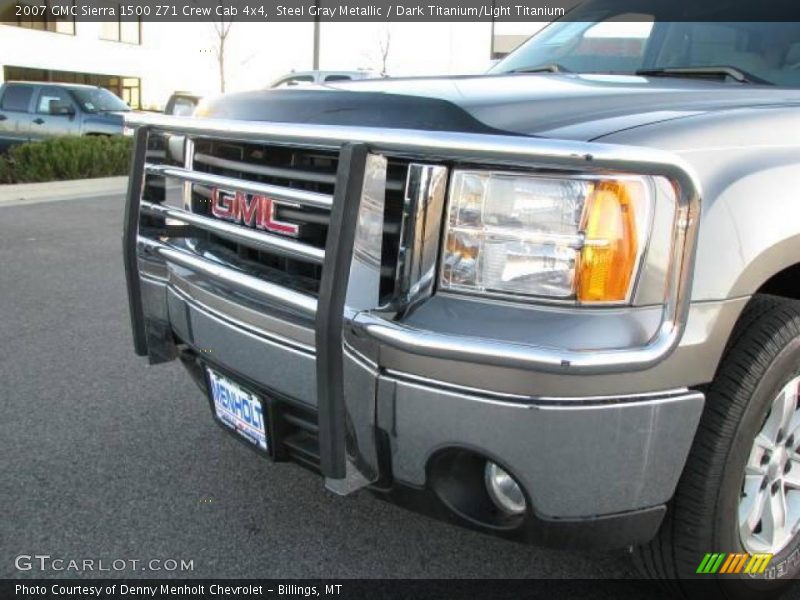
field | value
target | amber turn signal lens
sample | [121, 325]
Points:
[607, 261]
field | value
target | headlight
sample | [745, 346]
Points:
[128, 131]
[565, 238]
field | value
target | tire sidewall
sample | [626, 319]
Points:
[786, 564]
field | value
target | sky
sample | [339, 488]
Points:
[259, 53]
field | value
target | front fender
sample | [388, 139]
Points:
[748, 164]
[750, 232]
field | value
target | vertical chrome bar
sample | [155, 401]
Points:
[423, 211]
[130, 235]
[188, 164]
[359, 376]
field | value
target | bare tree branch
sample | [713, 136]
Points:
[222, 29]
[384, 45]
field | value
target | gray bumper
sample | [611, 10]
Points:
[577, 460]
[576, 457]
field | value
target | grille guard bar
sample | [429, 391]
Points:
[337, 321]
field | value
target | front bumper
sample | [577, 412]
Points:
[597, 471]
[416, 400]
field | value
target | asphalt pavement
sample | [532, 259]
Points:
[105, 457]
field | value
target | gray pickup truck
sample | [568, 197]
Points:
[558, 303]
[34, 111]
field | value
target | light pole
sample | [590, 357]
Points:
[491, 42]
[315, 59]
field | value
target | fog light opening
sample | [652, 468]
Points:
[504, 491]
[468, 487]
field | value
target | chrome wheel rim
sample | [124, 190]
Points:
[769, 505]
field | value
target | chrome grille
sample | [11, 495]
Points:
[300, 176]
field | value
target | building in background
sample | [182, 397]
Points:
[507, 36]
[144, 63]
[108, 54]
[137, 61]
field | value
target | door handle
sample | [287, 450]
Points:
[38, 121]
[3, 117]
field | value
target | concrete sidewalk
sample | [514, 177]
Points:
[32, 193]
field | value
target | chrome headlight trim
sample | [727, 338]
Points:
[578, 239]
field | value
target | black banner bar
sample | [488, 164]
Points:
[358, 589]
[398, 10]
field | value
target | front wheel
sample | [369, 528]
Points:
[735, 516]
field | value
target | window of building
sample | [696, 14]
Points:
[128, 32]
[41, 22]
[17, 98]
[131, 91]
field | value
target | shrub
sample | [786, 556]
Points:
[57, 159]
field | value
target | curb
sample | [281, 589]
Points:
[24, 193]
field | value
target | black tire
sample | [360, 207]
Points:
[762, 356]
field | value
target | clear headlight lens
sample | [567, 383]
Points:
[562, 238]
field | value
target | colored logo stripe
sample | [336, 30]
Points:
[711, 563]
[758, 563]
[734, 563]
[722, 562]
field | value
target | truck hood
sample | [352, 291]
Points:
[563, 106]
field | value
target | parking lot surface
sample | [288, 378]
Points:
[104, 457]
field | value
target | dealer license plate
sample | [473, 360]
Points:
[238, 409]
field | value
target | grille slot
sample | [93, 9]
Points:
[299, 440]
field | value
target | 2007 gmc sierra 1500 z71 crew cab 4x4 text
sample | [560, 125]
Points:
[557, 303]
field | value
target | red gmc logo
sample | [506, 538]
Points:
[252, 210]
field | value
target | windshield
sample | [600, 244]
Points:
[627, 43]
[97, 100]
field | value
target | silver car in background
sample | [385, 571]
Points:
[304, 78]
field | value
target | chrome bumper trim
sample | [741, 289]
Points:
[301, 303]
[505, 354]
[505, 398]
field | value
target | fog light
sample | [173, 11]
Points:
[504, 491]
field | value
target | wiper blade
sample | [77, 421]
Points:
[721, 72]
[551, 68]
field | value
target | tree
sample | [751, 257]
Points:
[222, 29]
[384, 45]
